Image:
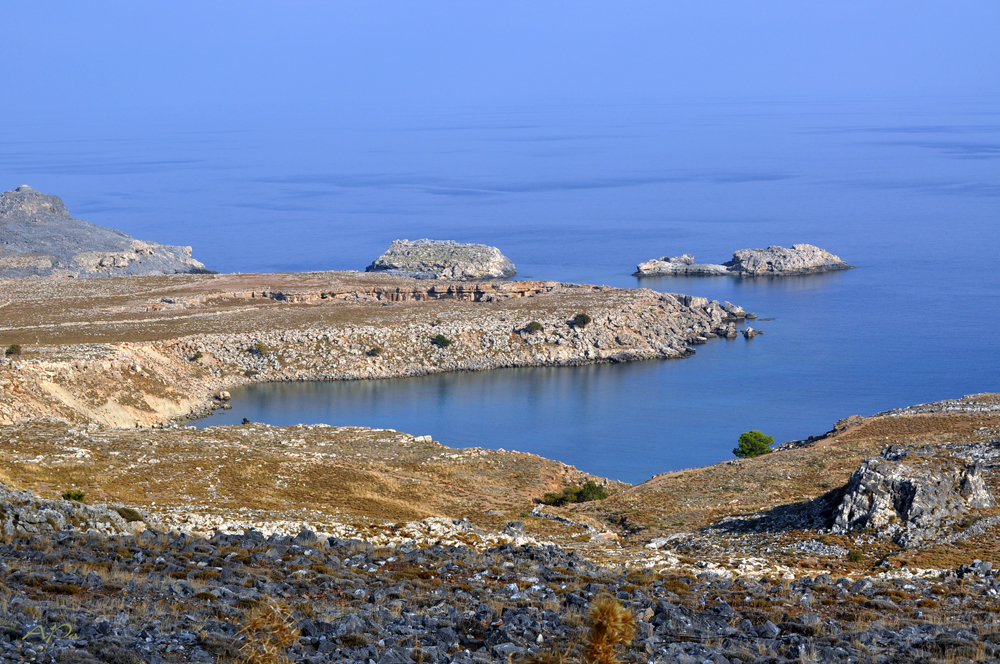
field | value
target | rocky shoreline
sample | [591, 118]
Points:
[217, 332]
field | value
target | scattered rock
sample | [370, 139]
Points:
[443, 259]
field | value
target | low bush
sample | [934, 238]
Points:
[197, 356]
[753, 444]
[13, 349]
[533, 327]
[441, 341]
[129, 514]
[374, 352]
[581, 320]
[589, 491]
[74, 495]
[855, 556]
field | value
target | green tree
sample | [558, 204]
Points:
[753, 444]
[441, 341]
[581, 320]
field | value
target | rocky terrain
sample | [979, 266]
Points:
[39, 238]
[443, 259]
[143, 351]
[709, 580]
[772, 261]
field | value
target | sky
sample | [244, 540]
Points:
[64, 59]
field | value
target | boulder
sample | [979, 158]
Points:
[443, 259]
[772, 261]
[38, 237]
[911, 493]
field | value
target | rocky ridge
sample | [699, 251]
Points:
[443, 259]
[772, 261]
[39, 238]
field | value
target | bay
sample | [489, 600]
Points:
[907, 190]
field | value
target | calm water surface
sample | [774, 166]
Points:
[908, 191]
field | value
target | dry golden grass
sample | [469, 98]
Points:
[268, 631]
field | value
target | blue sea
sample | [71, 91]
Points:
[907, 190]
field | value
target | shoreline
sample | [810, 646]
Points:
[151, 350]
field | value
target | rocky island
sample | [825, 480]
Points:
[772, 261]
[443, 259]
[39, 238]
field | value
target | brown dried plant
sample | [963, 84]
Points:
[611, 625]
[268, 631]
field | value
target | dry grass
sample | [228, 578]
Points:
[268, 631]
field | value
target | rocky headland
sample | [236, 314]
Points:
[39, 238]
[143, 351]
[443, 259]
[772, 261]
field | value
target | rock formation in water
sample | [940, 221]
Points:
[38, 237]
[443, 259]
[773, 261]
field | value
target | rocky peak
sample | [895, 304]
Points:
[26, 204]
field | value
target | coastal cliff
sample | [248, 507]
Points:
[772, 261]
[39, 238]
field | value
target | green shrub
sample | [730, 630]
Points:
[259, 349]
[753, 444]
[129, 514]
[591, 491]
[572, 494]
[197, 356]
[581, 320]
[374, 352]
[533, 327]
[13, 349]
[441, 341]
[73, 494]
[855, 556]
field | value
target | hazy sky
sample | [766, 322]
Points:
[320, 57]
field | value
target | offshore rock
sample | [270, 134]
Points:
[38, 237]
[443, 259]
[910, 493]
[772, 261]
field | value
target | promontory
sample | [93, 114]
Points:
[443, 259]
[771, 262]
[39, 238]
